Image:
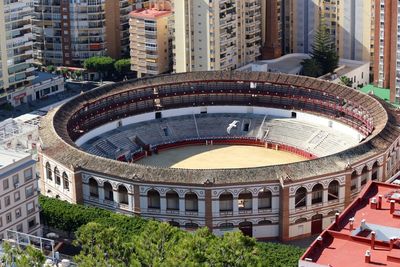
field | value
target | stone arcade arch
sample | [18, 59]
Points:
[191, 202]
[264, 199]
[333, 190]
[317, 194]
[93, 188]
[122, 194]
[226, 202]
[245, 201]
[153, 199]
[172, 200]
[108, 191]
[246, 227]
[300, 199]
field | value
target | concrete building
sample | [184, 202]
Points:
[366, 233]
[68, 32]
[350, 24]
[386, 47]
[216, 35]
[19, 193]
[150, 40]
[16, 50]
[356, 71]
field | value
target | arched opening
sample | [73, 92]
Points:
[246, 228]
[301, 220]
[57, 176]
[49, 172]
[108, 192]
[375, 169]
[364, 176]
[264, 199]
[245, 201]
[226, 202]
[173, 223]
[316, 224]
[300, 199]
[226, 226]
[316, 195]
[123, 194]
[333, 190]
[265, 222]
[354, 181]
[191, 226]
[191, 202]
[65, 181]
[93, 188]
[153, 199]
[172, 200]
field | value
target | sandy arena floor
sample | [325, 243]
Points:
[219, 157]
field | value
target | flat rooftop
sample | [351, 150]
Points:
[8, 157]
[343, 245]
[149, 13]
[382, 93]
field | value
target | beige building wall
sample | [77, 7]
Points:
[216, 35]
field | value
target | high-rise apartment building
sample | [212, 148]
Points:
[216, 35]
[69, 31]
[150, 41]
[272, 32]
[16, 50]
[387, 46]
[350, 24]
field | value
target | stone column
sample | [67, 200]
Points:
[115, 196]
[284, 213]
[182, 206]
[325, 196]
[130, 202]
[255, 204]
[137, 199]
[163, 204]
[235, 206]
[208, 209]
[309, 198]
[101, 194]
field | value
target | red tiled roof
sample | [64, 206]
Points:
[341, 246]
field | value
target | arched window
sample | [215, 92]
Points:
[153, 199]
[57, 176]
[245, 201]
[65, 181]
[172, 200]
[301, 220]
[354, 181]
[93, 188]
[49, 172]
[364, 176]
[191, 226]
[191, 202]
[375, 169]
[173, 223]
[264, 222]
[108, 192]
[226, 226]
[317, 193]
[122, 194]
[226, 202]
[300, 198]
[264, 199]
[333, 190]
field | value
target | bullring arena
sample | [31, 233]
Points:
[272, 155]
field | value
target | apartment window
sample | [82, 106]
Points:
[17, 196]
[32, 223]
[16, 180]
[8, 217]
[18, 213]
[29, 191]
[30, 207]
[28, 174]
[5, 184]
[19, 228]
[7, 201]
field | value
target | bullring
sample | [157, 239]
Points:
[283, 201]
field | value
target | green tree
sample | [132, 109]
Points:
[344, 80]
[50, 68]
[122, 66]
[323, 52]
[311, 67]
[103, 65]
[30, 257]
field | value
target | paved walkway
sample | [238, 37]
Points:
[44, 102]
